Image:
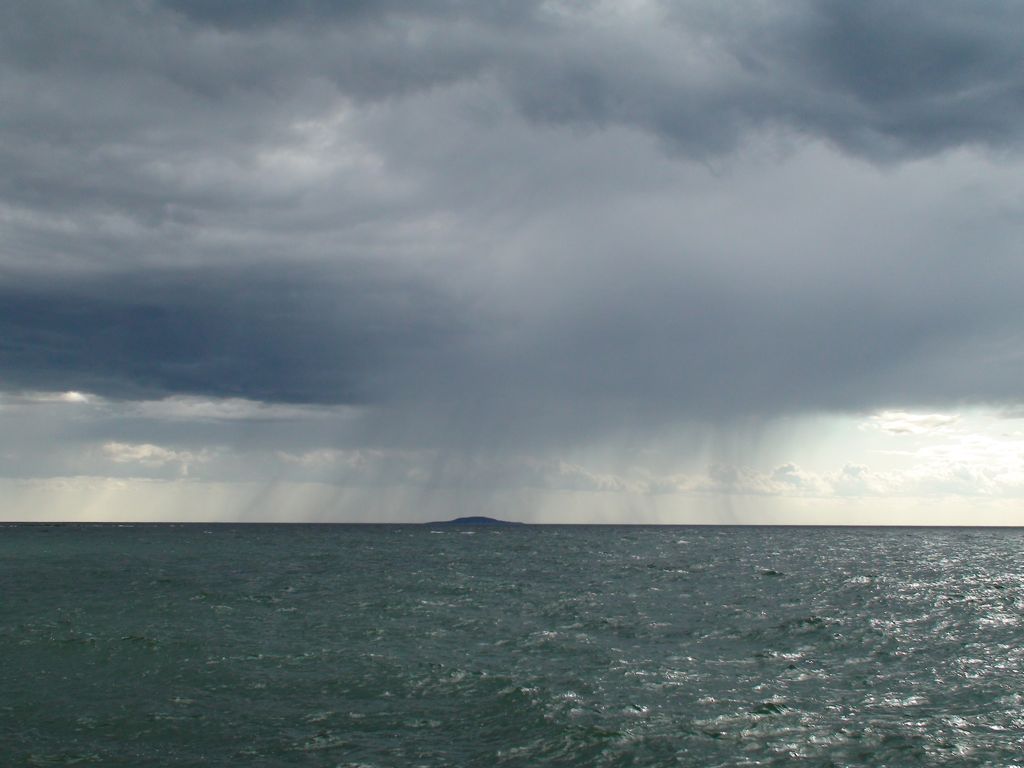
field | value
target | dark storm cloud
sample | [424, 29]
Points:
[879, 79]
[293, 336]
[232, 15]
[896, 78]
[537, 218]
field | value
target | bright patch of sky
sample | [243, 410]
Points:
[884, 467]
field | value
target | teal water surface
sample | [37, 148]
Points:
[573, 646]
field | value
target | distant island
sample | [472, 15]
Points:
[476, 520]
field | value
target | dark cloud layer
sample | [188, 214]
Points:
[290, 336]
[539, 218]
[876, 78]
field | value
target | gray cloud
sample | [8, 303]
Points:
[293, 335]
[545, 221]
[899, 79]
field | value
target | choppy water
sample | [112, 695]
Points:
[603, 646]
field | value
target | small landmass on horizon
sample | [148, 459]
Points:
[475, 520]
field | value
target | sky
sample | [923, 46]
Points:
[602, 262]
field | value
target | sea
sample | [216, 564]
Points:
[424, 645]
